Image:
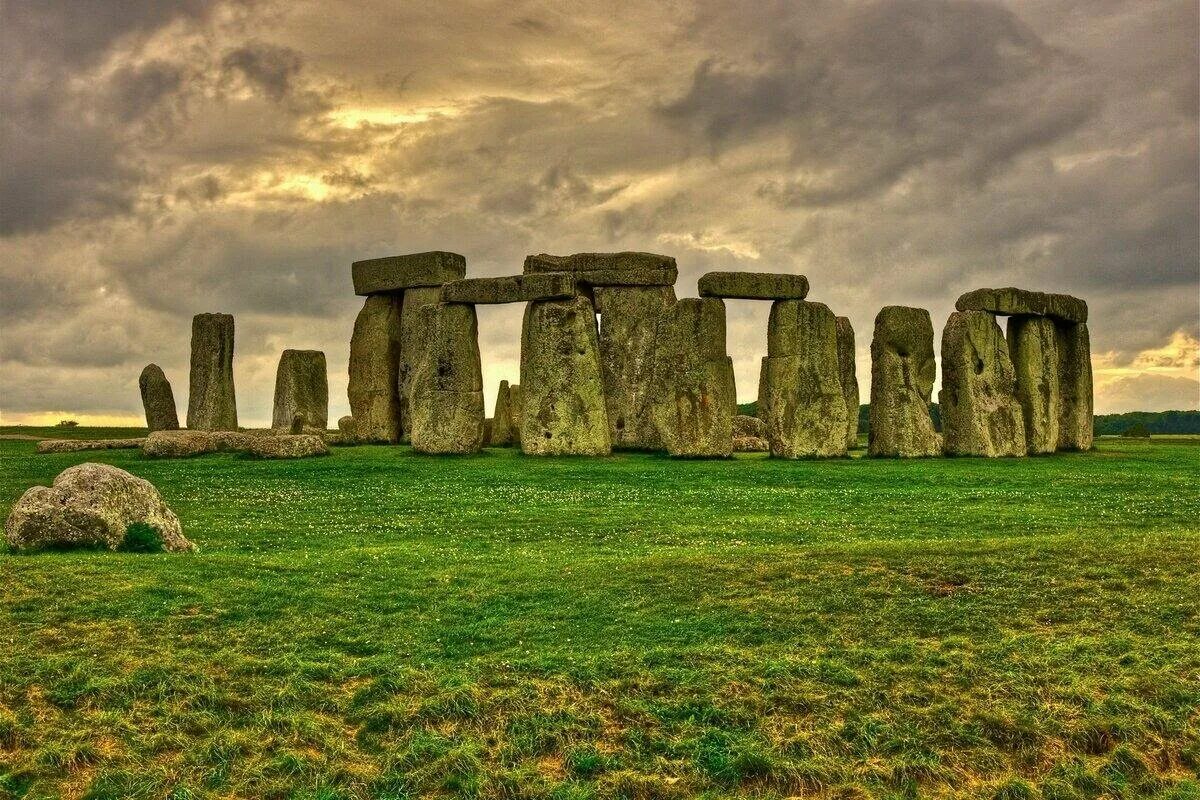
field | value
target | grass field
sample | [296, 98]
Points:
[382, 624]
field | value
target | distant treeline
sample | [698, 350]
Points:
[1105, 424]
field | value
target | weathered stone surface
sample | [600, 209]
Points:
[609, 269]
[694, 398]
[902, 373]
[446, 396]
[514, 406]
[374, 370]
[510, 289]
[1011, 301]
[397, 273]
[980, 412]
[211, 402]
[744, 425]
[414, 334]
[754, 285]
[1033, 348]
[562, 390]
[183, 444]
[347, 434]
[1075, 423]
[750, 444]
[629, 321]
[487, 432]
[848, 377]
[157, 399]
[287, 446]
[800, 396]
[91, 505]
[301, 390]
[502, 419]
[78, 445]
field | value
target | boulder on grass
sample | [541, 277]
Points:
[77, 445]
[91, 505]
[184, 444]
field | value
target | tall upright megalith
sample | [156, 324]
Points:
[801, 394]
[211, 402]
[414, 336]
[630, 317]
[902, 373]
[848, 376]
[157, 399]
[502, 418]
[562, 388]
[301, 390]
[694, 398]
[1033, 347]
[374, 361]
[1075, 422]
[446, 396]
[978, 403]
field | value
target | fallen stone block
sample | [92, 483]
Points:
[287, 446]
[754, 286]
[1011, 302]
[78, 445]
[91, 505]
[187, 443]
[510, 289]
[397, 273]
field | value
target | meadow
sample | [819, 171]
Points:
[380, 624]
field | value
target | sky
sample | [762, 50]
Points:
[161, 159]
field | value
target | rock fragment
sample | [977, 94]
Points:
[979, 408]
[211, 402]
[694, 396]
[562, 390]
[157, 399]
[398, 273]
[301, 391]
[903, 370]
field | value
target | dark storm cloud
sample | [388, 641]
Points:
[272, 69]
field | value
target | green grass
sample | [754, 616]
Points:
[381, 624]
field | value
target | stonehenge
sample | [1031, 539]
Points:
[211, 402]
[695, 399]
[563, 411]
[902, 375]
[157, 399]
[301, 391]
[611, 360]
[801, 394]
[446, 393]
[980, 412]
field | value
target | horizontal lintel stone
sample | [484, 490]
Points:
[1011, 302]
[754, 285]
[397, 273]
[511, 289]
[609, 269]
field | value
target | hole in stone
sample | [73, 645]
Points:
[546, 434]
[978, 366]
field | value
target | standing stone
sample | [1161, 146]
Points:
[514, 407]
[1034, 353]
[374, 361]
[629, 321]
[695, 398]
[413, 338]
[562, 389]
[848, 377]
[1075, 425]
[301, 390]
[502, 418]
[157, 399]
[211, 403]
[802, 402]
[902, 373]
[446, 395]
[980, 412]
